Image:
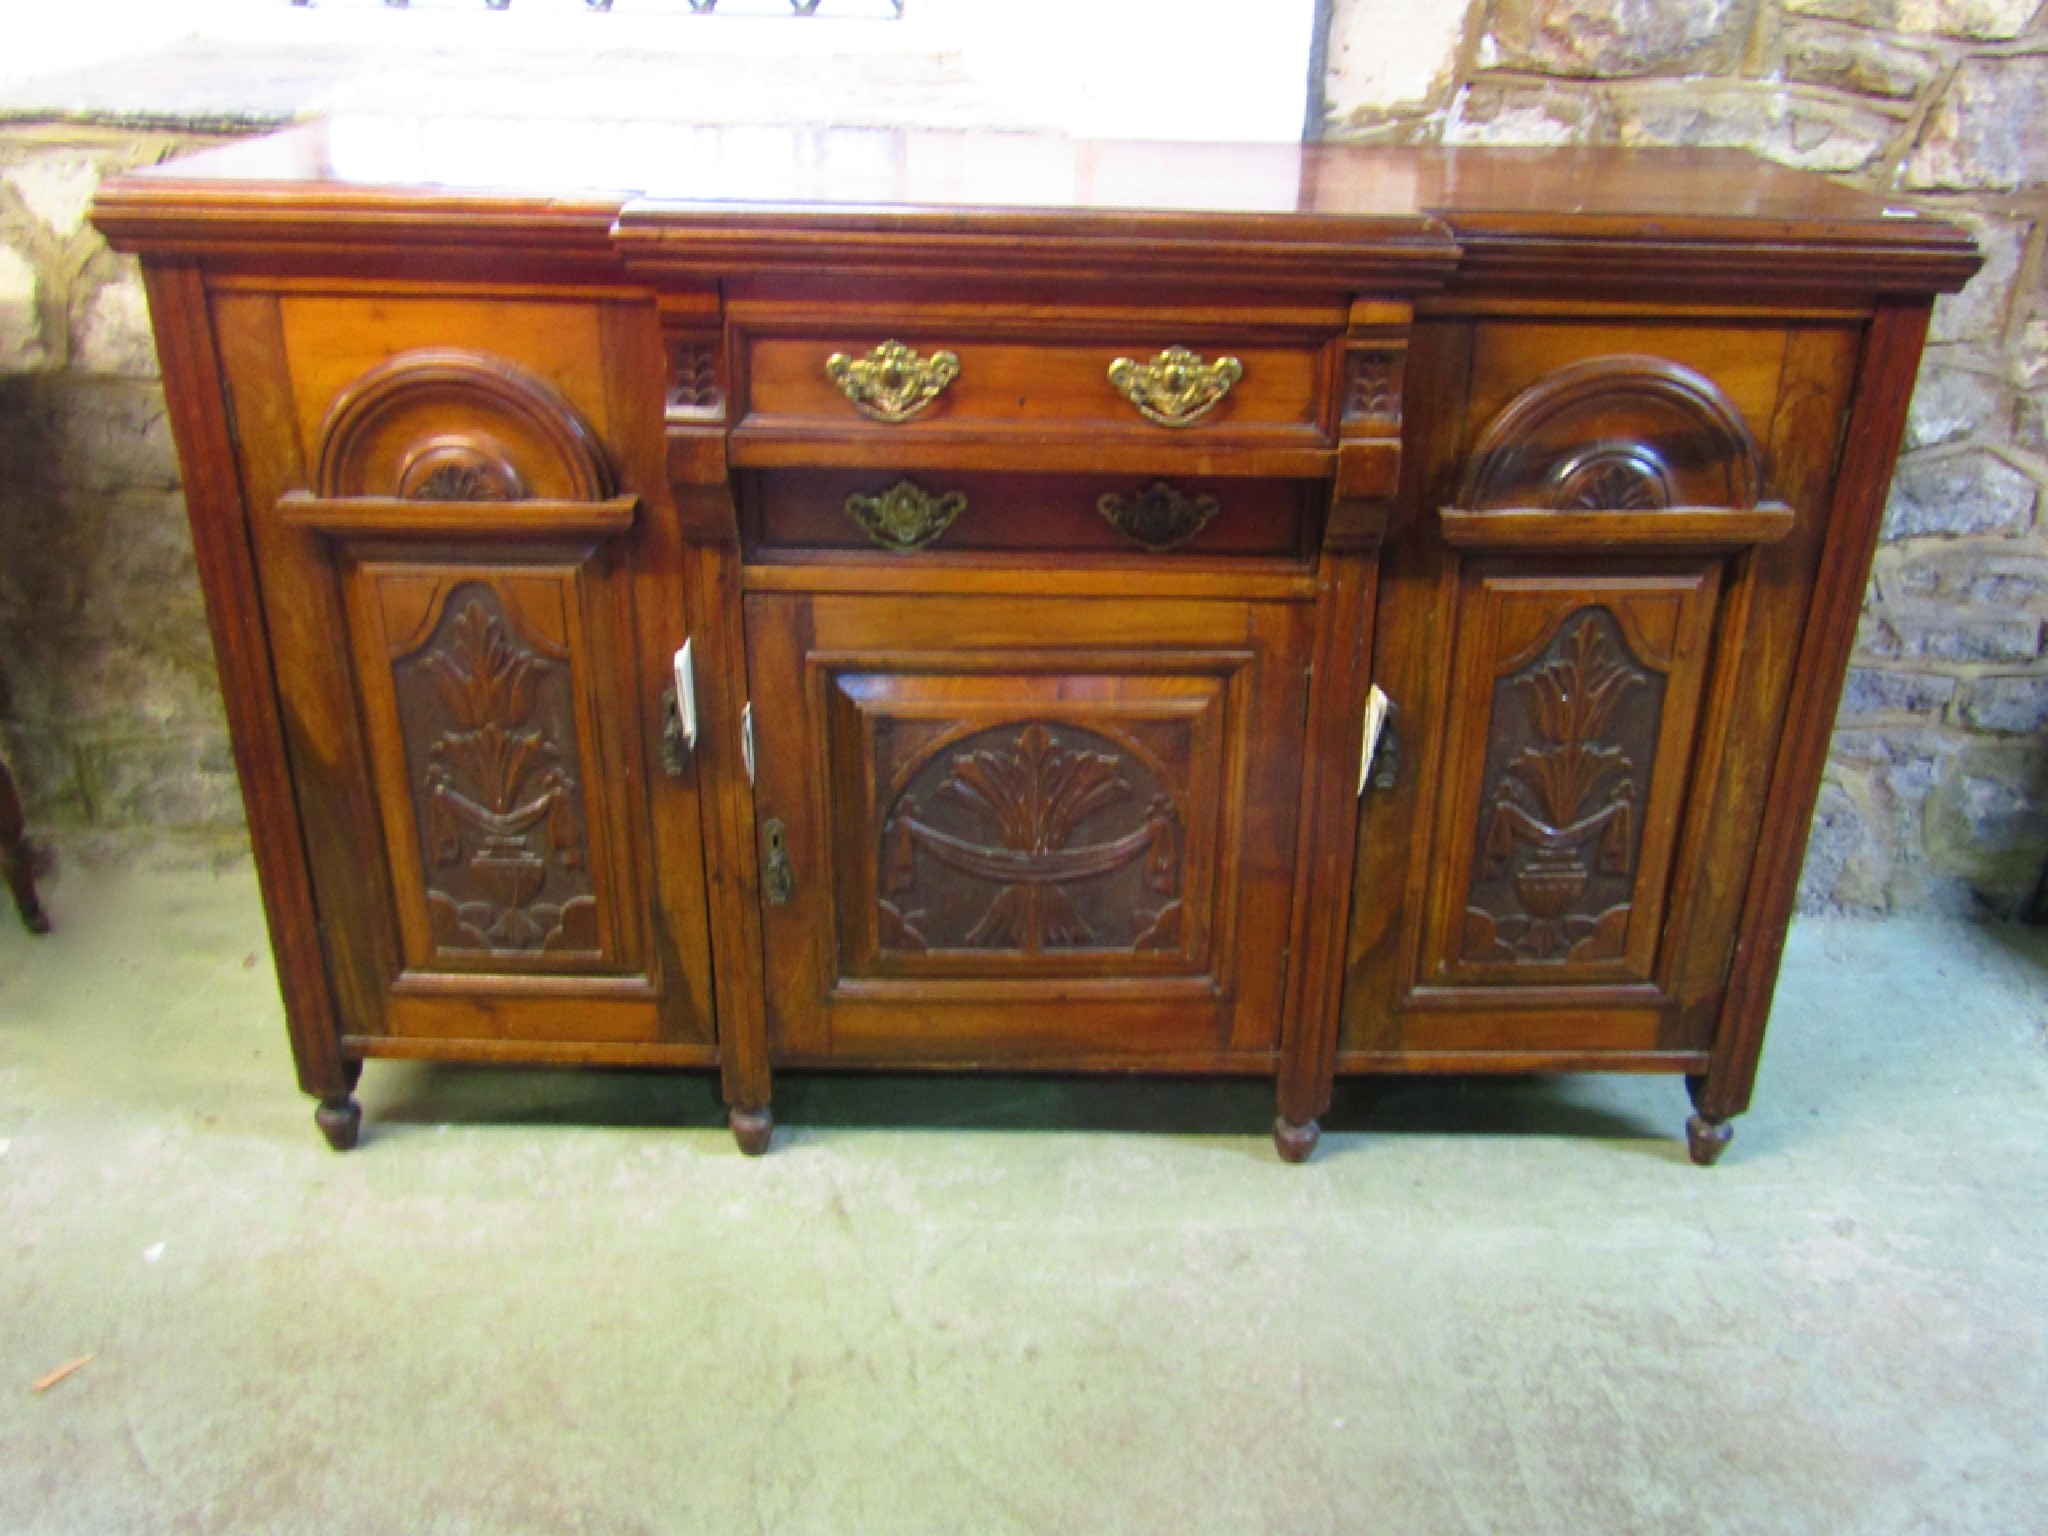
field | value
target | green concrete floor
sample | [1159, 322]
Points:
[560, 1301]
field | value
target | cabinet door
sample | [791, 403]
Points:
[473, 615]
[1008, 830]
[1594, 598]
[494, 680]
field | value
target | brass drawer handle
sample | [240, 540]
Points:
[892, 383]
[905, 516]
[1175, 389]
[1159, 517]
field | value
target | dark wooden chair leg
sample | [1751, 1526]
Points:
[19, 858]
[1706, 1136]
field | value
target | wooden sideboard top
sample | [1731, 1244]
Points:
[709, 200]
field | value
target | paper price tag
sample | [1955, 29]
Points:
[1377, 704]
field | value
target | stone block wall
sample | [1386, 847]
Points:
[109, 706]
[1937, 789]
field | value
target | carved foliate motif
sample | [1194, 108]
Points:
[490, 738]
[1374, 387]
[694, 389]
[1567, 770]
[1623, 477]
[458, 470]
[1021, 850]
[458, 482]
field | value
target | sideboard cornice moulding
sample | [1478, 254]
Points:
[764, 600]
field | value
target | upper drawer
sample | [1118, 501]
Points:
[912, 388]
[1203, 384]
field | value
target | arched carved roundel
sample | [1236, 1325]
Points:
[1622, 433]
[448, 424]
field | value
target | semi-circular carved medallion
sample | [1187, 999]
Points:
[1611, 477]
[445, 423]
[459, 468]
[1618, 433]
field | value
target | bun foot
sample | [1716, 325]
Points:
[340, 1121]
[33, 917]
[751, 1128]
[1295, 1142]
[1707, 1139]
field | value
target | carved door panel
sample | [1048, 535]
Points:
[990, 832]
[1574, 701]
[1072, 843]
[483, 697]
[494, 689]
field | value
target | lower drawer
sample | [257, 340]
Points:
[790, 513]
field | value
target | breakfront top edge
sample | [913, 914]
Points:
[697, 200]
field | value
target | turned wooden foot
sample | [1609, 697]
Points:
[1706, 1134]
[751, 1128]
[1707, 1139]
[1295, 1142]
[340, 1120]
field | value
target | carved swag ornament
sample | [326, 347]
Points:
[1033, 791]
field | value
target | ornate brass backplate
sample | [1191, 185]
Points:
[1159, 517]
[1175, 389]
[892, 383]
[906, 516]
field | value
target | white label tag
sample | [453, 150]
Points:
[686, 697]
[1376, 706]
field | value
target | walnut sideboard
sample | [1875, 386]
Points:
[874, 599]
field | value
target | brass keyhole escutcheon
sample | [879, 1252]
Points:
[778, 879]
